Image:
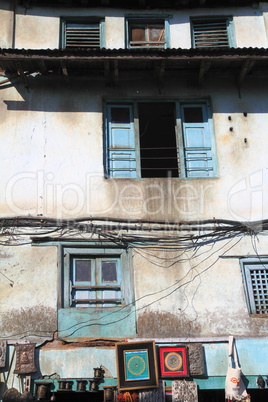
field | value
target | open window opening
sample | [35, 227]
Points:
[148, 33]
[158, 147]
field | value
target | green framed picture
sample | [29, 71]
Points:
[136, 365]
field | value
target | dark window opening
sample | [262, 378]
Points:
[193, 114]
[120, 115]
[158, 147]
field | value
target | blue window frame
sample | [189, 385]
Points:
[147, 31]
[82, 32]
[97, 290]
[255, 277]
[212, 32]
[95, 281]
[159, 139]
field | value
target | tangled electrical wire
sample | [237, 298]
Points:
[130, 232]
[148, 238]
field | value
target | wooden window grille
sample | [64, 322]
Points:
[256, 287]
[210, 33]
[82, 35]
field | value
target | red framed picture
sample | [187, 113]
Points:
[173, 361]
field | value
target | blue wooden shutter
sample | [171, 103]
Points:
[197, 141]
[121, 142]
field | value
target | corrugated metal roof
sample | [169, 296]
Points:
[111, 62]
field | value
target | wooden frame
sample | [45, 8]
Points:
[173, 361]
[136, 365]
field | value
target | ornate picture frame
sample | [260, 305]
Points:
[136, 365]
[173, 361]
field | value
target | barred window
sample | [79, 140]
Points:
[255, 275]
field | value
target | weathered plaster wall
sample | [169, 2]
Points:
[7, 24]
[28, 289]
[201, 296]
[53, 116]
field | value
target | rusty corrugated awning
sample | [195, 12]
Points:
[106, 62]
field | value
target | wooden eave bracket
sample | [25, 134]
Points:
[245, 69]
[160, 70]
[116, 71]
[42, 67]
[204, 66]
[64, 71]
[22, 74]
[107, 71]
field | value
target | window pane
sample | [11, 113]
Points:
[156, 33]
[120, 115]
[137, 34]
[193, 115]
[83, 271]
[109, 271]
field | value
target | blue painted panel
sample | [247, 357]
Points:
[75, 323]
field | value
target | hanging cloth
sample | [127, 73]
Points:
[235, 389]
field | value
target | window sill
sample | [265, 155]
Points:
[258, 315]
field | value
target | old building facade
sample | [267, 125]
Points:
[108, 238]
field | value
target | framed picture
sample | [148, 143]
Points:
[136, 365]
[173, 361]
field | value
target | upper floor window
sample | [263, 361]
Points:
[159, 139]
[82, 33]
[147, 32]
[255, 275]
[212, 32]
